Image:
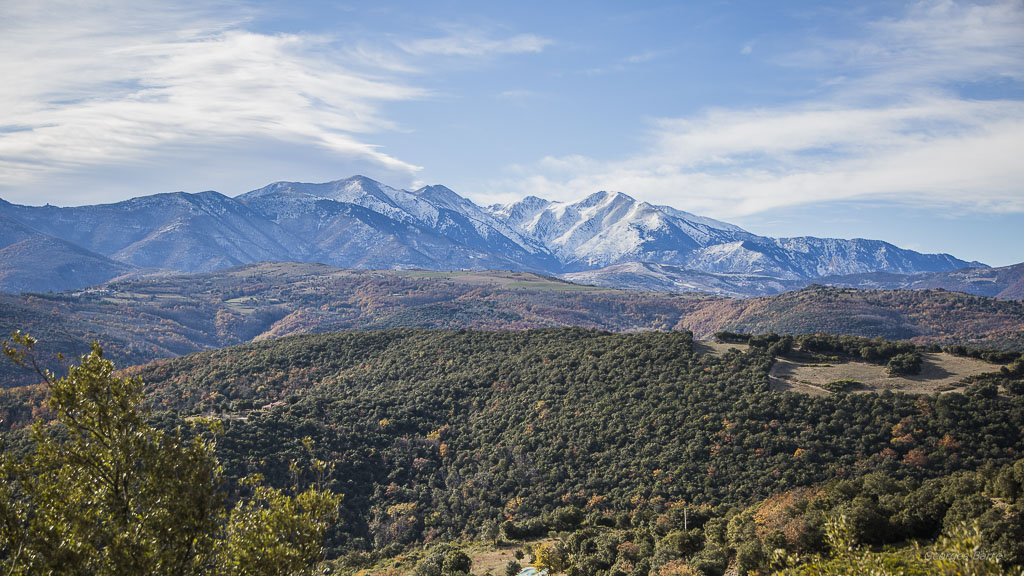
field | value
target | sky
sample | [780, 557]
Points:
[901, 121]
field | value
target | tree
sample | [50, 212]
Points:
[959, 552]
[444, 560]
[490, 531]
[904, 364]
[552, 556]
[273, 533]
[103, 492]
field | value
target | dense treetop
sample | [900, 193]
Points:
[438, 432]
[437, 436]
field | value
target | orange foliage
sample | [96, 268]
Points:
[780, 513]
[916, 457]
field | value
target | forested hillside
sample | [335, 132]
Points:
[138, 321]
[921, 316]
[445, 435]
[142, 320]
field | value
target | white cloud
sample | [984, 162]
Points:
[114, 83]
[893, 127]
[97, 89]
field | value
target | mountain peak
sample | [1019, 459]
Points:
[358, 180]
[442, 195]
[604, 196]
[435, 188]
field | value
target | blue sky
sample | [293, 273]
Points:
[895, 120]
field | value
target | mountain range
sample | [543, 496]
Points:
[1006, 282]
[607, 238]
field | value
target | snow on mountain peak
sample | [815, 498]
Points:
[360, 223]
[607, 228]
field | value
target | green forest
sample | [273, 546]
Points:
[593, 453]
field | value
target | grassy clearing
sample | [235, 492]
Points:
[487, 559]
[508, 280]
[242, 305]
[940, 373]
[716, 348]
[143, 297]
[494, 559]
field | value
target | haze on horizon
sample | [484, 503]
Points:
[902, 121]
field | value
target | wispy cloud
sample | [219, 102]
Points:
[114, 83]
[641, 58]
[733, 163]
[518, 95]
[626, 63]
[942, 41]
[475, 43]
[897, 126]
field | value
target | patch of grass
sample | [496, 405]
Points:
[940, 372]
[717, 348]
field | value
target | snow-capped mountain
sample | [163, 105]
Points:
[186, 232]
[360, 223]
[602, 229]
[609, 228]
[649, 277]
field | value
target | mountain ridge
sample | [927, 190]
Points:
[1004, 282]
[360, 223]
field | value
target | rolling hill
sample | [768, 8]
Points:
[442, 436]
[139, 320]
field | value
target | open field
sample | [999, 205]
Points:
[487, 559]
[493, 560]
[940, 372]
[540, 284]
[716, 348]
